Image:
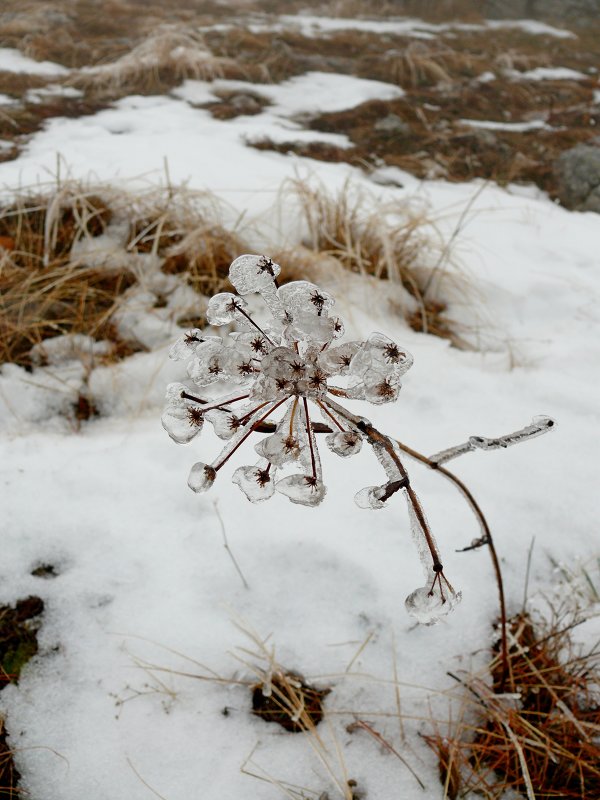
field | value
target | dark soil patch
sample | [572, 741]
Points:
[46, 571]
[18, 643]
[18, 637]
[289, 693]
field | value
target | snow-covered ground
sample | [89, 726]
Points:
[144, 577]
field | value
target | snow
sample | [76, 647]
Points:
[520, 127]
[11, 60]
[310, 25]
[143, 572]
[552, 74]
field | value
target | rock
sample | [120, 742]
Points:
[578, 174]
[393, 124]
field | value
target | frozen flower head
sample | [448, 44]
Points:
[279, 374]
[276, 375]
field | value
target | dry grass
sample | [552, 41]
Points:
[164, 59]
[541, 740]
[51, 285]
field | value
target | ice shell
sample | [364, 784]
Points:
[379, 389]
[370, 497]
[251, 273]
[224, 423]
[302, 489]
[201, 477]
[282, 363]
[182, 423]
[344, 443]
[224, 307]
[303, 297]
[308, 326]
[336, 360]
[255, 482]
[185, 346]
[428, 608]
[280, 448]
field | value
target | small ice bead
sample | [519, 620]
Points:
[201, 478]
[224, 423]
[344, 443]
[302, 489]
[370, 497]
[255, 482]
[182, 423]
[302, 296]
[428, 607]
[251, 273]
[185, 346]
[380, 389]
[387, 353]
[224, 307]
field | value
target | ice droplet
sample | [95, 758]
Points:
[224, 307]
[428, 607]
[251, 273]
[302, 489]
[201, 477]
[256, 482]
[370, 497]
[344, 443]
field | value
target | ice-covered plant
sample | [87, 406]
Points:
[288, 368]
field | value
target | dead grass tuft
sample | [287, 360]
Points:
[9, 775]
[164, 59]
[288, 701]
[541, 740]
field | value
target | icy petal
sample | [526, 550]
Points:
[370, 497]
[181, 423]
[344, 443]
[225, 423]
[310, 327]
[185, 346]
[256, 482]
[428, 606]
[380, 389]
[251, 273]
[287, 443]
[336, 360]
[225, 307]
[201, 478]
[302, 489]
[300, 297]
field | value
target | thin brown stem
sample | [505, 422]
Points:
[486, 539]
[247, 434]
[309, 433]
[251, 321]
[329, 414]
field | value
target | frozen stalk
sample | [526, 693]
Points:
[537, 427]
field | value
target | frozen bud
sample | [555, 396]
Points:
[182, 419]
[283, 362]
[344, 443]
[255, 482]
[302, 489]
[382, 355]
[251, 273]
[182, 424]
[336, 360]
[379, 388]
[224, 307]
[300, 297]
[280, 448]
[224, 423]
[370, 497]
[240, 363]
[185, 346]
[428, 604]
[310, 327]
[201, 478]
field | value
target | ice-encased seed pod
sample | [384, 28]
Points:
[370, 497]
[428, 607]
[302, 489]
[256, 482]
[224, 307]
[251, 273]
[344, 443]
[300, 297]
[181, 423]
[201, 477]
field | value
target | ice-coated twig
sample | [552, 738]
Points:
[537, 427]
